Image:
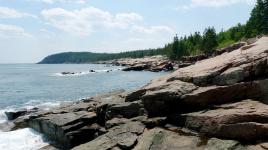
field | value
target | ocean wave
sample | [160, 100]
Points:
[41, 105]
[73, 74]
[25, 139]
[44, 105]
[22, 139]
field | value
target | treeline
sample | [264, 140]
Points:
[88, 57]
[209, 41]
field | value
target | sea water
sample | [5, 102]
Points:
[44, 86]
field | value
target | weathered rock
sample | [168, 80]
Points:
[123, 137]
[125, 110]
[246, 121]
[116, 122]
[235, 76]
[67, 129]
[230, 48]
[11, 115]
[162, 99]
[148, 63]
[138, 67]
[180, 96]
[155, 122]
[134, 95]
[203, 72]
[160, 139]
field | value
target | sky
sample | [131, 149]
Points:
[32, 29]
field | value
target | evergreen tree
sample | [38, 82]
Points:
[209, 42]
[255, 25]
[265, 18]
[175, 46]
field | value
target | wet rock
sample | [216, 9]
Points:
[67, 129]
[68, 73]
[11, 115]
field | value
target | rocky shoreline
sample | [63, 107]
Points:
[163, 63]
[216, 103]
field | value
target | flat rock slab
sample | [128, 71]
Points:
[120, 137]
[245, 121]
[160, 139]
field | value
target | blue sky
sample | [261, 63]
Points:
[33, 29]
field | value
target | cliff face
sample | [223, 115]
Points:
[217, 103]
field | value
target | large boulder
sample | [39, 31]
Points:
[67, 129]
[244, 121]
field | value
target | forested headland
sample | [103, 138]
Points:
[197, 43]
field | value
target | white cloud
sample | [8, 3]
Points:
[85, 21]
[213, 3]
[61, 1]
[6, 12]
[12, 31]
[152, 30]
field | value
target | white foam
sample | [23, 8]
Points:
[74, 74]
[3, 117]
[82, 73]
[23, 139]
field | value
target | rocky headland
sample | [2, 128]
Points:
[219, 103]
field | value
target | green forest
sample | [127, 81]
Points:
[194, 44]
[209, 41]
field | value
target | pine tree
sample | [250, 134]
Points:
[209, 42]
[175, 46]
[255, 25]
[265, 18]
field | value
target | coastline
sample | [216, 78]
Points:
[217, 103]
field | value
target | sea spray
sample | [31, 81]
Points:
[23, 139]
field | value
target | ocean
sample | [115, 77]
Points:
[43, 86]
